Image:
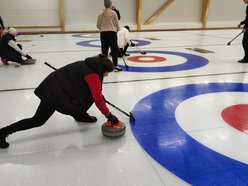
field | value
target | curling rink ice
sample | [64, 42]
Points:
[189, 96]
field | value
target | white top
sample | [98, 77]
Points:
[123, 37]
[13, 44]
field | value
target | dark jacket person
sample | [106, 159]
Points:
[70, 90]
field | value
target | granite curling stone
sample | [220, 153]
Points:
[113, 130]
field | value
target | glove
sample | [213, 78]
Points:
[112, 118]
[28, 57]
[132, 44]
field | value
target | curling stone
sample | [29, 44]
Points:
[113, 130]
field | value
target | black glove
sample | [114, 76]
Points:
[112, 118]
[28, 57]
[132, 44]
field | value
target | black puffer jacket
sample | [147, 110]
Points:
[66, 90]
[7, 51]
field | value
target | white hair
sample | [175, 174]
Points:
[12, 31]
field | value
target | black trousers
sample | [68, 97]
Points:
[123, 51]
[109, 40]
[12, 55]
[245, 45]
[43, 113]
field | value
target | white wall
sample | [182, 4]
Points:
[226, 13]
[180, 14]
[30, 12]
[81, 15]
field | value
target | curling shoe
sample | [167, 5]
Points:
[3, 143]
[239, 61]
[28, 61]
[86, 118]
[127, 54]
[242, 61]
[117, 69]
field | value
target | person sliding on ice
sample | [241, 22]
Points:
[124, 41]
[70, 90]
[10, 51]
[245, 36]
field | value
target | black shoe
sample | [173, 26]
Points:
[117, 69]
[242, 61]
[86, 118]
[3, 143]
[127, 54]
[28, 61]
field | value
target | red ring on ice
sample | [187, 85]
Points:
[146, 59]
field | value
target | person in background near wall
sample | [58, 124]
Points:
[245, 36]
[70, 90]
[107, 23]
[116, 11]
[124, 41]
[10, 51]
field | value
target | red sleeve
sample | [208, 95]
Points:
[94, 83]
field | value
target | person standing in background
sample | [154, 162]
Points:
[245, 36]
[116, 11]
[107, 23]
